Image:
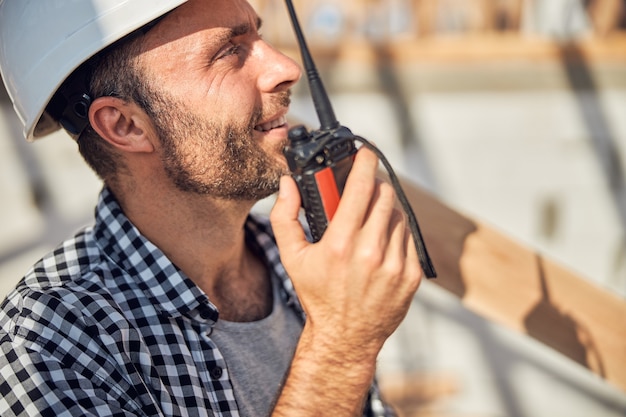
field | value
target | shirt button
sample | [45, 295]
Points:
[216, 373]
[205, 313]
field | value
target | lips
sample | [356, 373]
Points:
[272, 124]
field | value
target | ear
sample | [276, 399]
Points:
[124, 125]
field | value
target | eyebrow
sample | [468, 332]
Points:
[241, 29]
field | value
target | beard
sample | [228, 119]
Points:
[220, 159]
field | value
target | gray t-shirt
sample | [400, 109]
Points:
[258, 355]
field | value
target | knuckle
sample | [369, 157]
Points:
[395, 268]
[275, 217]
[338, 248]
[387, 191]
[363, 185]
[371, 255]
[387, 197]
[414, 279]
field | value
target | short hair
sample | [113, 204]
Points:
[112, 72]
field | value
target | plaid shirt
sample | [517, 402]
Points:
[106, 325]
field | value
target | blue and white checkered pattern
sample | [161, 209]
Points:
[106, 325]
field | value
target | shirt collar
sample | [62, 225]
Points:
[166, 286]
[169, 290]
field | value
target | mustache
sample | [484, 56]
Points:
[277, 102]
[284, 98]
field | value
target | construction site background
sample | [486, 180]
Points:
[510, 111]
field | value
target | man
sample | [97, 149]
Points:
[176, 301]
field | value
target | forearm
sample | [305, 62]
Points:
[327, 375]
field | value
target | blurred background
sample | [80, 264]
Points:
[512, 112]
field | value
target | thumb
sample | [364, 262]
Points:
[288, 231]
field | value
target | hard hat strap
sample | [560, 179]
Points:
[70, 105]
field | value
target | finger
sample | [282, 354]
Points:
[287, 229]
[396, 250]
[413, 269]
[358, 192]
[377, 223]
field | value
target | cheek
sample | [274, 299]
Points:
[233, 95]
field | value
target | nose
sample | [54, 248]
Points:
[278, 72]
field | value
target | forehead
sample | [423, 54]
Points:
[206, 16]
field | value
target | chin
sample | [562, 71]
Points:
[281, 162]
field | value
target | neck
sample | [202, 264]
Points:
[205, 238]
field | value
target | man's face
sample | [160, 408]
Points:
[219, 95]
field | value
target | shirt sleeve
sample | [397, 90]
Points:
[33, 384]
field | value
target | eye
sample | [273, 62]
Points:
[229, 50]
[233, 50]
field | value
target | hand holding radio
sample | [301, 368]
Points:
[361, 276]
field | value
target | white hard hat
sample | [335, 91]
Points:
[43, 41]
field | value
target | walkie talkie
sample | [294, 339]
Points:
[320, 160]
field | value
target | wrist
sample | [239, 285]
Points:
[341, 347]
[338, 375]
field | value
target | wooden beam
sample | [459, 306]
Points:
[479, 48]
[513, 285]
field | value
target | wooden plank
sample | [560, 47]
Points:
[513, 285]
[478, 48]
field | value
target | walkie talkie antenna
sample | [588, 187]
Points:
[323, 108]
